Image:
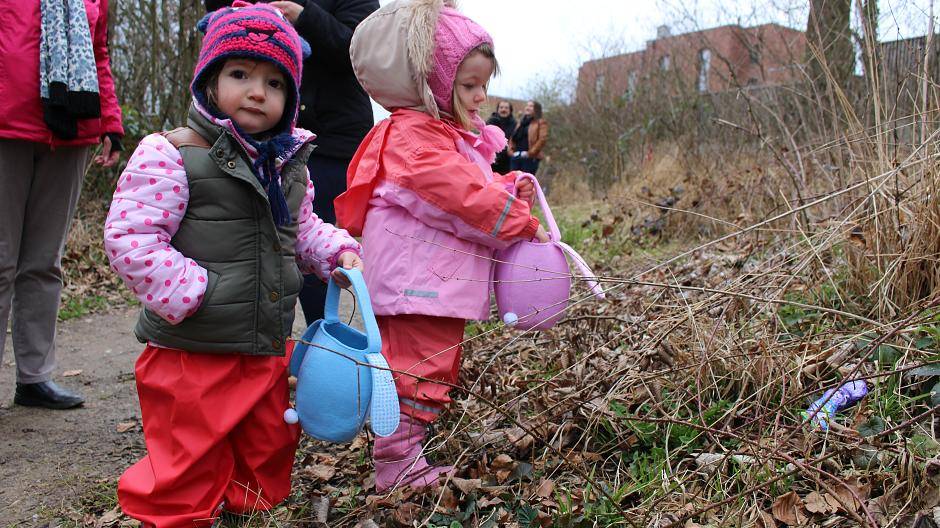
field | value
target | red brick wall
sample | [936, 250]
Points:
[759, 56]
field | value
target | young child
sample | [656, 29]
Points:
[207, 227]
[428, 206]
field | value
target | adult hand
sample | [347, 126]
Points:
[108, 157]
[524, 154]
[347, 260]
[290, 10]
[541, 235]
[525, 190]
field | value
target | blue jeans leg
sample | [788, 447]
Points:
[529, 165]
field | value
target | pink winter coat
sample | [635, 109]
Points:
[148, 205]
[431, 212]
[20, 107]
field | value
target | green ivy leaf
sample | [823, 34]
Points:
[924, 445]
[886, 356]
[873, 426]
[927, 370]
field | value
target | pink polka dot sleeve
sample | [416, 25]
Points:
[319, 244]
[148, 205]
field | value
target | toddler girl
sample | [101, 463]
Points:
[207, 227]
[428, 206]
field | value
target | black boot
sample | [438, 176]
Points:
[46, 394]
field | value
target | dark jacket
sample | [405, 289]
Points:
[507, 124]
[253, 284]
[332, 104]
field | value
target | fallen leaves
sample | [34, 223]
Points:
[788, 509]
[320, 472]
[125, 427]
[821, 503]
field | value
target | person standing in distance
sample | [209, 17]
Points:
[332, 105]
[57, 102]
[528, 140]
[504, 119]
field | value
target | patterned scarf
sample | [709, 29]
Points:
[68, 76]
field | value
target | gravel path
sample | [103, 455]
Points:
[50, 460]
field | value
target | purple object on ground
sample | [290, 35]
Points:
[834, 400]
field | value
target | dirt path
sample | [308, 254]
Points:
[51, 460]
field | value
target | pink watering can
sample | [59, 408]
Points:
[533, 280]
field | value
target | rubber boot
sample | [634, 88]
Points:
[399, 459]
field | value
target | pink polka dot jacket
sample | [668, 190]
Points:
[149, 203]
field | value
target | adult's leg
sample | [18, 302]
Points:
[16, 175]
[53, 196]
[530, 165]
[329, 181]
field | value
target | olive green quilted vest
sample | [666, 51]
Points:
[228, 228]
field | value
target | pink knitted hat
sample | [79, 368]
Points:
[255, 31]
[454, 37]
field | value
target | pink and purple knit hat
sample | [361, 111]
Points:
[454, 38]
[254, 31]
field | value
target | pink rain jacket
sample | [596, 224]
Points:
[20, 107]
[431, 212]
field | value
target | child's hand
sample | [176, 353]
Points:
[541, 235]
[347, 260]
[525, 190]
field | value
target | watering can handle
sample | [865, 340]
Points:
[589, 276]
[555, 236]
[331, 309]
[553, 233]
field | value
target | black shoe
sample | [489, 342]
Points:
[46, 394]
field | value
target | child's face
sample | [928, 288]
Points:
[472, 77]
[252, 93]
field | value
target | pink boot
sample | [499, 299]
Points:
[399, 461]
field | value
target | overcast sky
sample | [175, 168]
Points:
[541, 40]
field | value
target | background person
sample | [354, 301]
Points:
[528, 139]
[332, 105]
[504, 119]
[57, 102]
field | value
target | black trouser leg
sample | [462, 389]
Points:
[329, 181]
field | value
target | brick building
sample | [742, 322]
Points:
[711, 60]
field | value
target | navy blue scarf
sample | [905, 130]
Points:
[265, 169]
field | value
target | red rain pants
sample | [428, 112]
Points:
[425, 346]
[215, 434]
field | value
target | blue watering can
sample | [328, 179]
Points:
[338, 384]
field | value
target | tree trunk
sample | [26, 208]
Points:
[831, 57]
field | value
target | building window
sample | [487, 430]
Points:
[631, 86]
[599, 83]
[754, 53]
[704, 66]
[664, 62]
